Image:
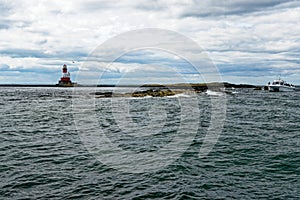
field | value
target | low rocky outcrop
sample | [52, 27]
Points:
[153, 93]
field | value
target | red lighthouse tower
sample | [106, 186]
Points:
[65, 80]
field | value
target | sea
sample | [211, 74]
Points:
[66, 143]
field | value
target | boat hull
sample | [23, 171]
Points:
[273, 88]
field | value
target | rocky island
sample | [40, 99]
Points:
[157, 90]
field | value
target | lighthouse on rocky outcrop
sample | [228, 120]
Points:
[65, 80]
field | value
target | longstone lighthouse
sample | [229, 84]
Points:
[65, 80]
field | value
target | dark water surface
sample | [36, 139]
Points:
[42, 154]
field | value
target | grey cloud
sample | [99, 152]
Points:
[213, 8]
[5, 8]
[34, 69]
[144, 5]
[21, 53]
[4, 26]
[151, 5]
[91, 6]
[253, 69]
[4, 67]
[246, 6]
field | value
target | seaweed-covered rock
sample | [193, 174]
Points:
[153, 93]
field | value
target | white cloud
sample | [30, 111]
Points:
[45, 34]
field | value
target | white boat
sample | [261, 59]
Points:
[280, 85]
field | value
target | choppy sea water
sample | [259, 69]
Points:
[43, 155]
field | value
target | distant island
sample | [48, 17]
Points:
[195, 86]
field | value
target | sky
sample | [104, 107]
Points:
[247, 41]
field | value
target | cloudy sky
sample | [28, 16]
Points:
[248, 41]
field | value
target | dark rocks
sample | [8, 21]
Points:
[153, 93]
[104, 94]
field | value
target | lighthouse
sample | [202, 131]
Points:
[65, 80]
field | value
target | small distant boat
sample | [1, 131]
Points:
[280, 85]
